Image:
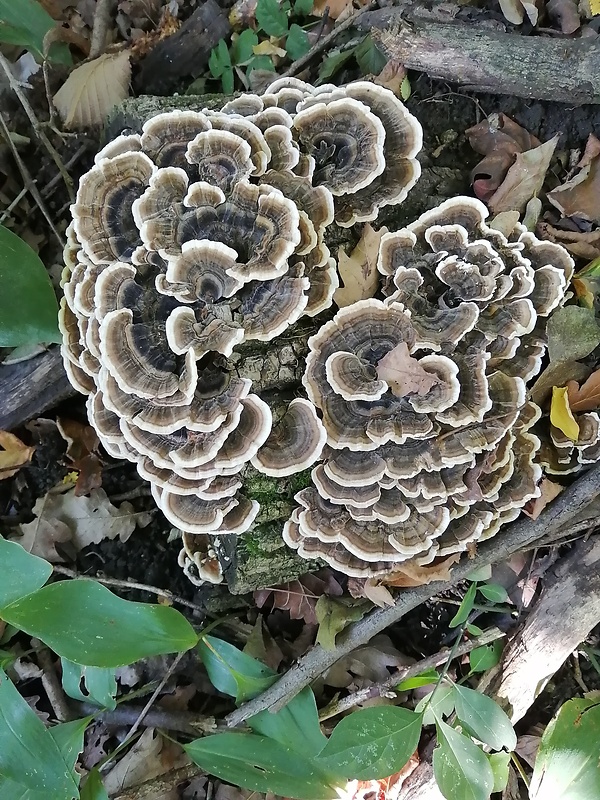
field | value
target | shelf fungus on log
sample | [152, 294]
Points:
[422, 394]
[202, 232]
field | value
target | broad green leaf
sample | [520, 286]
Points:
[297, 43]
[88, 624]
[483, 718]
[424, 679]
[494, 592]
[219, 59]
[370, 58]
[22, 573]
[465, 607]
[233, 672]
[260, 764]
[260, 62]
[372, 743]
[100, 683]
[566, 767]
[302, 8]
[333, 616]
[405, 89]
[6, 658]
[241, 49]
[499, 762]
[461, 769]
[480, 574]
[573, 332]
[436, 704]
[271, 17]
[296, 726]
[334, 62]
[28, 753]
[227, 81]
[69, 740]
[93, 788]
[28, 307]
[28, 19]
[486, 656]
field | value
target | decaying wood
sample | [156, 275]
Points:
[513, 538]
[29, 388]
[562, 70]
[185, 53]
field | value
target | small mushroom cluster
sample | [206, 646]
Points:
[422, 395]
[202, 232]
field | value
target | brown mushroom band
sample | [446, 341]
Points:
[207, 230]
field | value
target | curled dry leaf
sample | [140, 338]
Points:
[524, 179]
[418, 576]
[561, 415]
[82, 450]
[566, 13]
[358, 270]
[583, 244]
[515, 10]
[392, 77]
[14, 454]
[367, 665]
[92, 89]
[403, 373]
[299, 598]
[499, 138]
[548, 491]
[580, 196]
[555, 374]
[587, 396]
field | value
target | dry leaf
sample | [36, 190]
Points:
[367, 665]
[580, 196]
[336, 8]
[566, 13]
[524, 179]
[392, 77]
[82, 446]
[527, 748]
[406, 575]
[378, 594]
[149, 757]
[555, 374]
[358, 271]
[587, 396]
[549, 490]
[515, 10]
[92, 89]
[404, 374]
[61, 516]
[583, 244]
[561, 415]
[268, 48]
[14, 454]
[300, 597]
[594, 6]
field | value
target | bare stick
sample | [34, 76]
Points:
[102, 20]
[39, 132]
[125, 714]
[378, 689]
[52, 685]
[510, 540]
[323, 43]
[28, 180]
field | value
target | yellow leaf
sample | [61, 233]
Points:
[13, 454]
[561, 415]
[594, 7]
[358, 271]
[268, 48]
[92, 89]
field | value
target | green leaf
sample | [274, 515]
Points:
[405, 89]
[88, 624]
[260, 62]
[369, 57]
[297, 43]
[484, 718]
[483, 658]
[93, 788]
[227, 81]
[26, 23]
[28, 307]
[271, 18]
[219, 59]
[333, 616]
[100, 684]
[296, 726]
[566, 766]
[465, 607]
[260, 764]
[438, 703]
[28, 754]
[573, 332]
[461, 769]
[69, 740]
[22, 573]
[303, 8]
[233, 672]
[241, 48]
[372, 743]
[481, 574]
[499, 762]
[494, 592]
[424, 679]
[334, 62]
[474, 630]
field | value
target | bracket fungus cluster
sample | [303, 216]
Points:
[207, 230]
[204, 231]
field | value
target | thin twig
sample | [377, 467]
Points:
[8, 210]
[15, 86]
[323, 43]
[512, 539]
[163, 785]
[28, 180]
[378, 689]
[52, 685]
[143, 587]
[102, 20]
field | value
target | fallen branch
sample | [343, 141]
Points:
[561, 70]
[515, 537]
